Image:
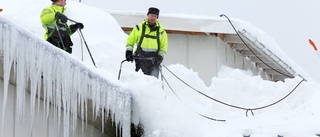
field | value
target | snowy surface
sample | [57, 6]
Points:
[163, 113]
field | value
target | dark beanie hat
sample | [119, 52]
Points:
[153, 10]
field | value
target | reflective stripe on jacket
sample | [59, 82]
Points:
[149, 42]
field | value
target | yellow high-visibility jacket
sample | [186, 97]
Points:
[150, 42]
[48, 17]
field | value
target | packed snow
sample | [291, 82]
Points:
[178, 110]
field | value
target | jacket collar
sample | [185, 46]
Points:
[147, 22]
[57, 8]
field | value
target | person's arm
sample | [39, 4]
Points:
[132, 39]
[47, 16]
[163, 43]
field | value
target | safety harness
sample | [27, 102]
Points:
[59, 36]
[148, 36]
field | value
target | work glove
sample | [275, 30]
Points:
[159, 59]
[79, 25]
[62, 17]
[129, 56]
[76, 26]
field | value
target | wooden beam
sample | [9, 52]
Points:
[264, 66]
[255, 59]
[273, 72]
[249, 53]
[278, 77]
[221, 36]
[240, 46]
[232, 38]
[189, 32]
[126, 28]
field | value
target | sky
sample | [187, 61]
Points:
[163, 113]
[289, 23]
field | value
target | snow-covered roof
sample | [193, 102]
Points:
[176, 22]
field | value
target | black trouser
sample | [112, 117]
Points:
[54, 39]
[58, 44]
[148, 67]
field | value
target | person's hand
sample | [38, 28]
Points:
[159, 59]
[79, 25]
[62, 17]
[129, 56]
[75, 27]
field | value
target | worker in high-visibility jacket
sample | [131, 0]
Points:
[53, 19]
[152, 44]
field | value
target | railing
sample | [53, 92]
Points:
[269, 54]
[66, 82]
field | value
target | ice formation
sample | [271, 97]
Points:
[66, 82]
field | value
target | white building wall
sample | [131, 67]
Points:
[204, 54]
[19, 123]
[177, 50]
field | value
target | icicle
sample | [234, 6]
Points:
[38, 65]
[21, 76]
[29, 59]
[66, 83]
[7, 52]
